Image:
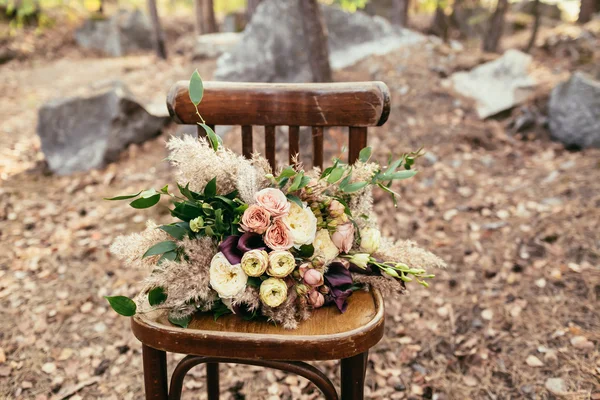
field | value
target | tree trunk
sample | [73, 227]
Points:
[440, 24]
[401, 12]
[536, 25]
[159, 36]
[315, 33]
[251, 8]
[495, 27]
[586, 11]
[208, 12]
[198, 14]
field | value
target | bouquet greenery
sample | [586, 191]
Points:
[261, 243]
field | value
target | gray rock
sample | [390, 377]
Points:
[497, 85]
[82, 133]
[546, 10]
[123, 33]
[212, 45]
[273, 48]
[574, 112]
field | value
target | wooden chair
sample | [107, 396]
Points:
[328, 334]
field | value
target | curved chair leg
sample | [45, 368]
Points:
[155, 373]
[353, 376]
[299, 368]
[212, 381]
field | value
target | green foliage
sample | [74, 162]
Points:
[122, 305]
[160, 248]
[156, 296]
[180, 322]
[196, 88]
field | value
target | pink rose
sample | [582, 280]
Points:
[278, 236]
[336, 209]
[316, 299]
[303, 268]
[343, 237]
[274, 201]
[313, 277]
[256, 219]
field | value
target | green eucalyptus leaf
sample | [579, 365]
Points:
[157, 296]
[354, 187]
[327, 171]
[145, 202]
[287, 172]
[210, 189]
[365, 154]
[160, 248]
[180, 322]
[174, 230]
[212, 136]
[306, 251]
[335, 175]
[124, 197]
[122, 305]
[303, 182]
[295, 199]
[196, 88]
[169, 255]
[296, 183]
[397, 176]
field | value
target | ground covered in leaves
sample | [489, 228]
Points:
[515, 315]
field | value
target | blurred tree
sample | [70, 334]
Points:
[400, 16]
[586, 11]
[536, 25]
[315, 33]
[440, 24]
[159, 36]
[198, 14]
[209, 25]
[251, 7]
[495, 27]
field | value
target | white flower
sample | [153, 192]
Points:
[302, 223]
[196, 224]
[255, 262]
[360, 260]
[324, 246]
[227, 280]
[273, 292]
[281, 263]
[370, 240]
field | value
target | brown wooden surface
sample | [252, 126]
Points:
[155, 373]
[270, 145]
[327, 335]
[323, 104]
[357, 140]
[317, 139]
[293, 142]
[247, 141]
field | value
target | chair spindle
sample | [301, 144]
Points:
[357, 140]
[270, 145]
[317, 137]
[294, 142]
[247, 141]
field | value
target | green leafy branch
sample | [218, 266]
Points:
[196, 93]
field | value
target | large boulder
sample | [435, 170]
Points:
[82, 133]
[545, 9]
[574, 112]
[497, 85]
[123, 33]
[273, 48]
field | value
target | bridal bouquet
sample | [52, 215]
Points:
[265, 244]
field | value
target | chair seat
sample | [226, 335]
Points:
[327, 335]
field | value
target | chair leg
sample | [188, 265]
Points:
[353, 372]
[212, 381]
[155, 373]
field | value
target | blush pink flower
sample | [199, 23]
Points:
[278, 236]
[316, 299]
[313, 277]
[343, 237]
[256, 219]
[273, 200]
[336, 209]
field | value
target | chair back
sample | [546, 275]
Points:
[356, 105]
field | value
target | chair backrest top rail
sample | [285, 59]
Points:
[359, 104]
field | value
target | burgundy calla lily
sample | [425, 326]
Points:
[336, 278]
[234, 247]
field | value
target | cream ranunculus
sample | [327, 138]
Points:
[302, 223]
[370, 240]
[273, 292]
[324, 247]
[227, 280]
[255, 262]
[281, 263]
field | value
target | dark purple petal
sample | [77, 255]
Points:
[251, 241]
[337, 275]
[229, 248]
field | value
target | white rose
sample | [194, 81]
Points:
[281, 263]
[302, 223]
[227, 280]
[370, 240]
[324, 246]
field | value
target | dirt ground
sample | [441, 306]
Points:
[515, 314]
